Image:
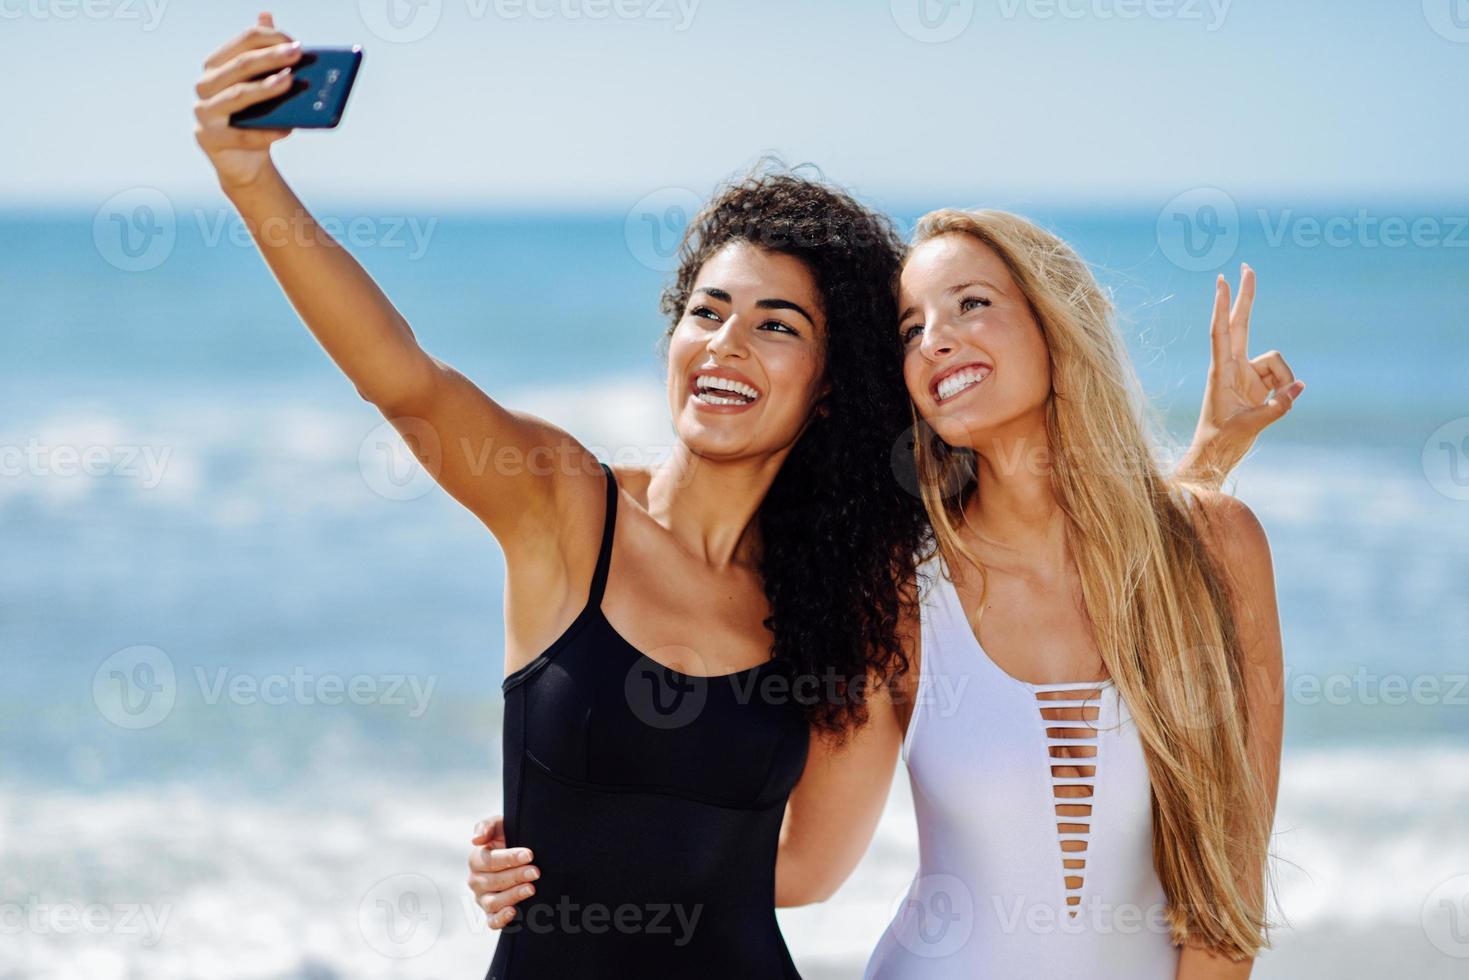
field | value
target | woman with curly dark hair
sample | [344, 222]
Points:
[673, 634]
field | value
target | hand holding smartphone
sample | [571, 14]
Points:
[320, 82]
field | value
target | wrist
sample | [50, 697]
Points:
[239, 191]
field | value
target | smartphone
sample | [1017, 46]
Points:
[320, 83]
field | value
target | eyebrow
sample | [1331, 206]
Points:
[764, 304]
[951, 291]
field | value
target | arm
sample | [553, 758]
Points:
[833, 811]
[1238, 400]
[463, 437]
[1234, 536]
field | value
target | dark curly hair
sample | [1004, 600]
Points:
[839, 528]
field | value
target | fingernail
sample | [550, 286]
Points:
[523, 854]
[527, 890]
[531, 874]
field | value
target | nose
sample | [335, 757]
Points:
[728, 340]
[938, 340]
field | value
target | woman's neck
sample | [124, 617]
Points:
[709, 506]
[1013, 519]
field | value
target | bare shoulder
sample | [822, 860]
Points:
[1237, 544]
[1231, 531]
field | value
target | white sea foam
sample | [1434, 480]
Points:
[295, 886]
[219, 461]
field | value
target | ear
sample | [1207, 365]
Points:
[822, 408]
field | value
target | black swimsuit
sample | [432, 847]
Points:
[652, 801]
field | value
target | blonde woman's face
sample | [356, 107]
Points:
[974, 358]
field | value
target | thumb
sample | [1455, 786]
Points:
[265, 19]
[487, 831]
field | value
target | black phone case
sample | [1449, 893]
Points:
[321, 81]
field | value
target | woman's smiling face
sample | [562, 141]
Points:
[746, 360]
[974, 358]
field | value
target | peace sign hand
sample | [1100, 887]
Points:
[1243, 395]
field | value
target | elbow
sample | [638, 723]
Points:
[795, 891]
[408, 394]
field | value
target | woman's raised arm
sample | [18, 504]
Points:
[511, 470]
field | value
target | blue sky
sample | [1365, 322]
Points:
[577, 102]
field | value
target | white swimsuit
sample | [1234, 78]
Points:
[1008, 887]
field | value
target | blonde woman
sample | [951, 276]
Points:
[1088, 720]
[1100, 801]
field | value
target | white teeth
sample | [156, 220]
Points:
[706, 381]
[955, 383]
[709, 399]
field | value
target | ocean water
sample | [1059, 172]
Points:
[251, 709]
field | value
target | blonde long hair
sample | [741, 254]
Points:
[1159, 607]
